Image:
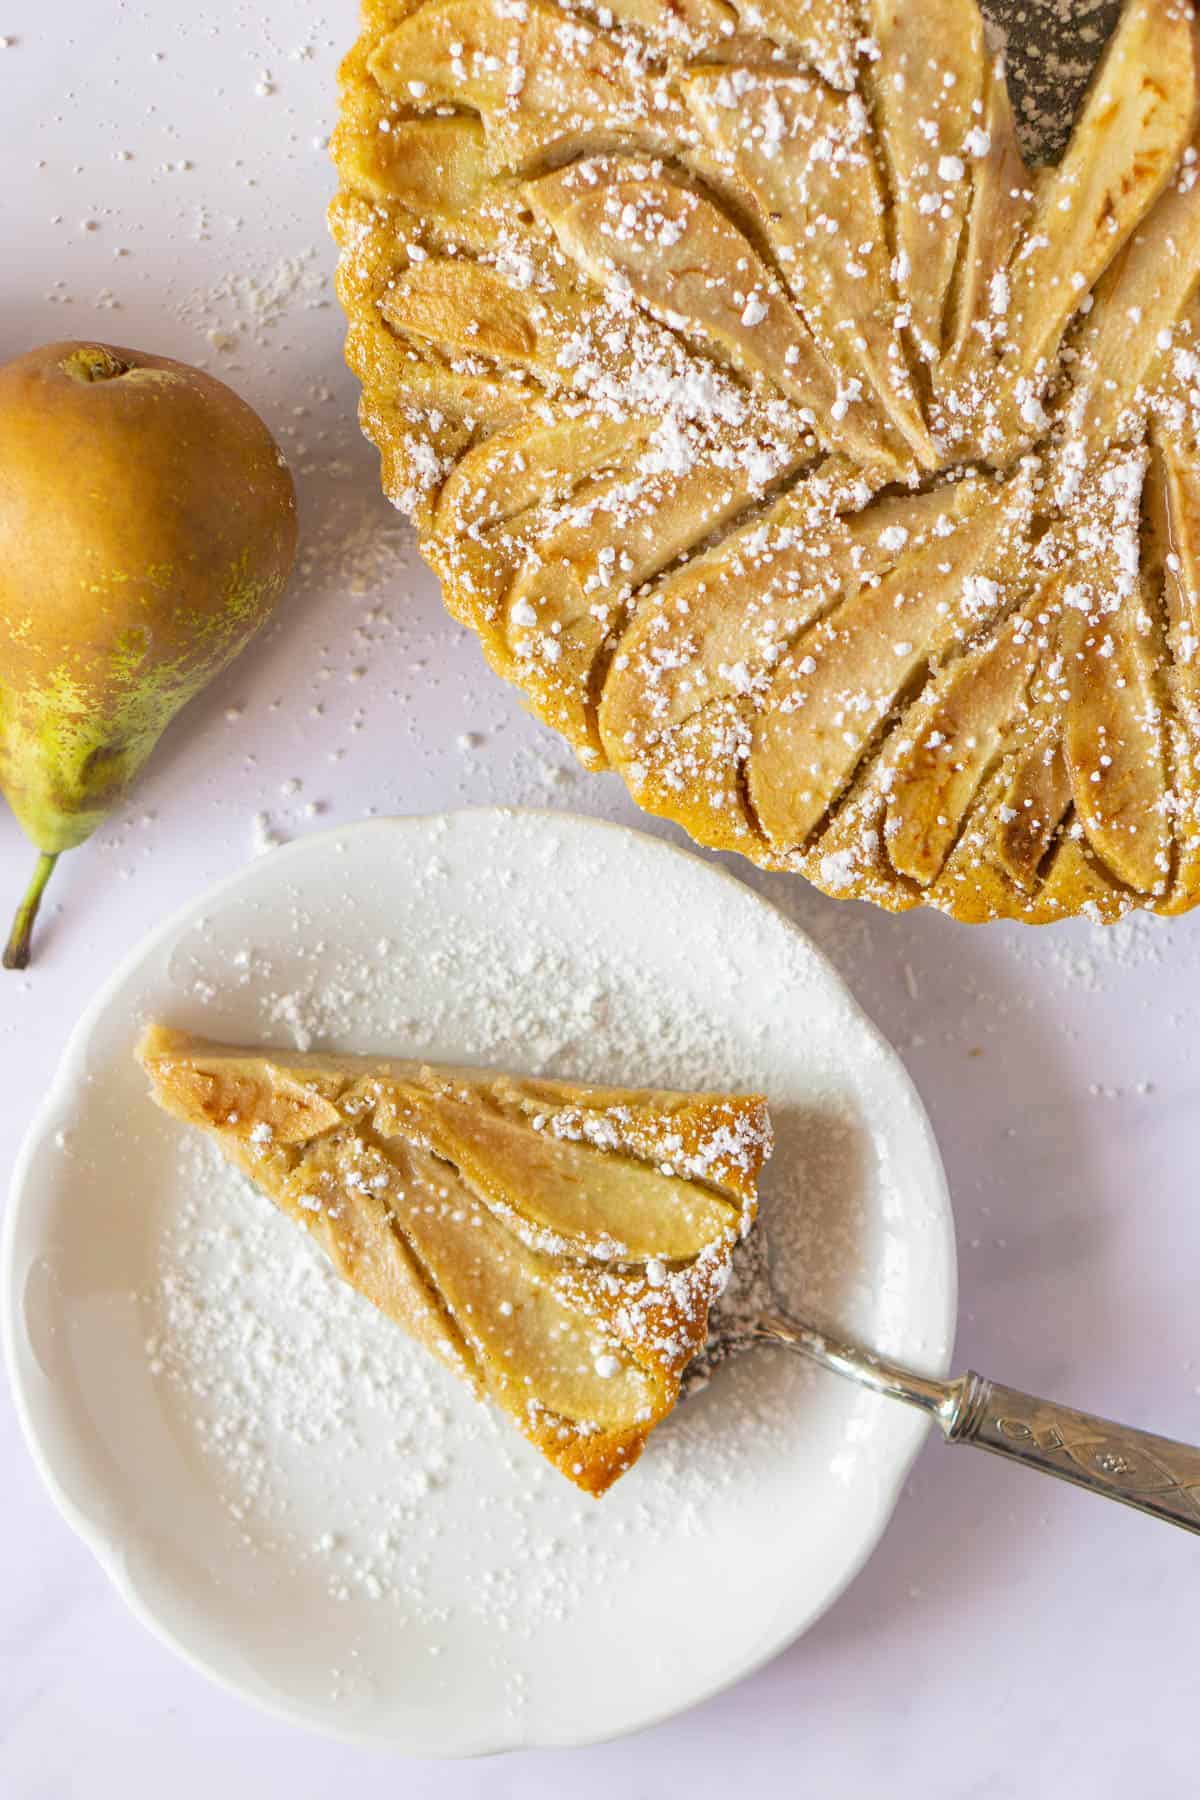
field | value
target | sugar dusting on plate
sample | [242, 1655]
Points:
[283, 1484]
[330, 1437]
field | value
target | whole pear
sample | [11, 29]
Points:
[147, 529]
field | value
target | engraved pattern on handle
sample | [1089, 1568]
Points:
[1154, 1474]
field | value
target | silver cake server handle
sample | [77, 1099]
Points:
[1154, 1474]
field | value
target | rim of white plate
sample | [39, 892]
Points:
[108, 1551]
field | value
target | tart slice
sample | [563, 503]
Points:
[557, 1246]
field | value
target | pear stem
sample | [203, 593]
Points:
[16, 951]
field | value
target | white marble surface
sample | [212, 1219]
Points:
[164, 181]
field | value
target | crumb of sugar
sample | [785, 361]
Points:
[264, 835]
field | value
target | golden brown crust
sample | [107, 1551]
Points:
[799, 454]
[558, 1246]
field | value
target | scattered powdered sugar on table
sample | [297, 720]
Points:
[1091, 957]
[243, 307]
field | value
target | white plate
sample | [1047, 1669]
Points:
[293, 1496]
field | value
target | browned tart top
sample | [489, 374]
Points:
[799, 452]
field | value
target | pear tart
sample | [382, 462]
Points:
[800, 453]
[557, 1246]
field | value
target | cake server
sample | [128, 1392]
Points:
[1156, 1475]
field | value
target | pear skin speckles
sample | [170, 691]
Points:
[147, 529]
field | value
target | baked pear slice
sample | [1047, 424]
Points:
[1113, 737]
[1153, 280]
[543, 84]
[1136, 123]
[928, 88]
[964, 381]
[1174, 510]
[823, 34]
[955, 745]
[835, 689]
[677, 252]
[557, 1246]
[803, 162]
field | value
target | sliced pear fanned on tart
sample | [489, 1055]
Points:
[763, 411]
[558, 1246]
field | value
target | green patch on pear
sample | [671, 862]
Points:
[147, 530]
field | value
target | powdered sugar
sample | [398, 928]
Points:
[340, 1452]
